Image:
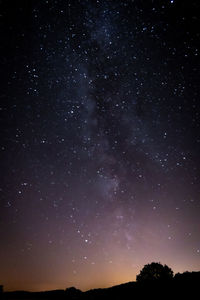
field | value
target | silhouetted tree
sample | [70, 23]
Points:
[73, 293]
[154, 272]
[1, 288]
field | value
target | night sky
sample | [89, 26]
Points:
[100, 140]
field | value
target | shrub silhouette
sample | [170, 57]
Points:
[155, 272]
[187, 277]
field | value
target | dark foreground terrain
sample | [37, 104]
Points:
[183, 286]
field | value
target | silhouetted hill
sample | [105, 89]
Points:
[183, 285]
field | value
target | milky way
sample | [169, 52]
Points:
[100, 141]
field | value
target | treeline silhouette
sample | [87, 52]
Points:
[155, 281]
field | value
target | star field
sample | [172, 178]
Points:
[100, 141]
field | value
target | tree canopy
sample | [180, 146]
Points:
[154, 272]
